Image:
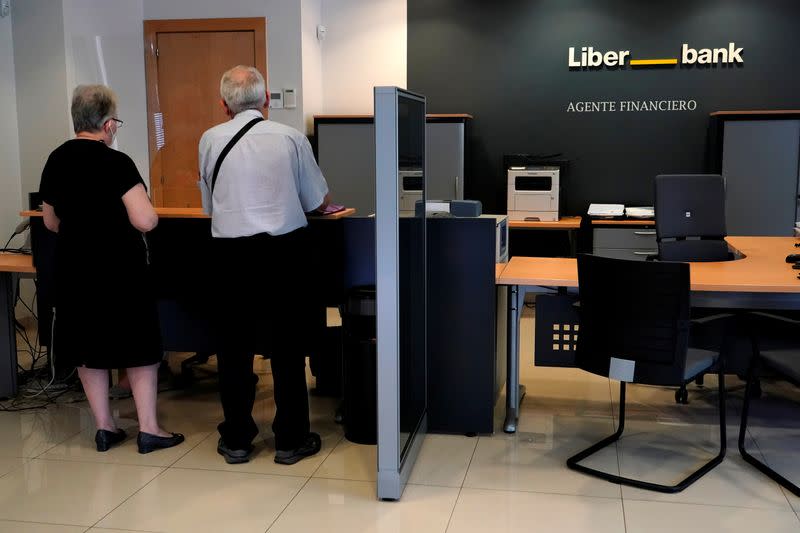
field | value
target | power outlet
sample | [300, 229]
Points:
[5, 8]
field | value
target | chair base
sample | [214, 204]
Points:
[772, 474]
[573, 462]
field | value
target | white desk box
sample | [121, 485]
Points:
[533, 193]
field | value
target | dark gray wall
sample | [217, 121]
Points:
[506, 63]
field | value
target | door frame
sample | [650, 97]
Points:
[258, 25]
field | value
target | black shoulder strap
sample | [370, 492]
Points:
[228, 147]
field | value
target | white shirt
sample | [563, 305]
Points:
[266, 183]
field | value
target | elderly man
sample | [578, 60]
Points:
[258, 178]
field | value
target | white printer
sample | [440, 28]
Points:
[533, 193]
[410, 183]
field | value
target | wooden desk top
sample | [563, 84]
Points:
[562, 223]
[16, 263]
[498, 271]
[763, 269]
[567, 223]
[197, 212]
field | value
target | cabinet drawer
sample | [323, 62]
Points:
[636, 254]
[625, 238]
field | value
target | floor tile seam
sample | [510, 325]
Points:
[715, 505]
[39, 522]
[14, 469]
[333, 448]
[59, 443]
[126, 530]
[90, 462]
[225, 471]
[624, 515]
[494, 489]
[453, 510]
[288, 504]
[124, 501]
[469, 465]
[334, 478]
[190, 450]
[764, 459]
[94, 462]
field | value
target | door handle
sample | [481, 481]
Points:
[654, 252]
[456, 196]
[644, 233]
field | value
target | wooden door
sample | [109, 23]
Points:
[186, 59]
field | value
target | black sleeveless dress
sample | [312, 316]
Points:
[105, 307]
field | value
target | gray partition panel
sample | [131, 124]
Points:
[346, 154]
[445, 157]
[760, 166]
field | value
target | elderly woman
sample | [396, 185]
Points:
[105, 314]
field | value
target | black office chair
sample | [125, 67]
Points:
[780, 356]
[690, 226]
[634, 328]
[690, 217]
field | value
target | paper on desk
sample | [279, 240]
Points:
[606, 210]
[640, 212]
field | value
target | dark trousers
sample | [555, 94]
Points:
[262, 307]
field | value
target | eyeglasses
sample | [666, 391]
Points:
[118, 121]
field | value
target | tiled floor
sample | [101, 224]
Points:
[52, 481]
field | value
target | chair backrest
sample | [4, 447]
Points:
[634, 319]
[690, 217]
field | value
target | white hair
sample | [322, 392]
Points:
[92, 106]
[243, 87]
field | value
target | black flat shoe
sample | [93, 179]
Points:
[105, 439]
[148, 442]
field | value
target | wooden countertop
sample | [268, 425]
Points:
[16, 263]
[562, 223]
[498, 271]
[763, 269]
[197, 212]
[567, 223]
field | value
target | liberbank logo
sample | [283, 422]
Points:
[588, 57]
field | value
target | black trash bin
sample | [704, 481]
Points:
[360, 368]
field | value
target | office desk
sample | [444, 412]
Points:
[180, 248]
[760, 280]
[10, 264]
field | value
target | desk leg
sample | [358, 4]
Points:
[514, 391]
[8, 334]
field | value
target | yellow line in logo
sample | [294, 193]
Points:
[644, 62]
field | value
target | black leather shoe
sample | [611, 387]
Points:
[233, 456]
[148, 442]
[310, 446]
[105, 439]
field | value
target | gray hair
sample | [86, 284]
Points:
[92, 106]
[243, 87]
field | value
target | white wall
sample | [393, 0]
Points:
[11, 196]
[284, 55]
[41, 78]
[365, 46]
[103, 44]
[312, 101]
